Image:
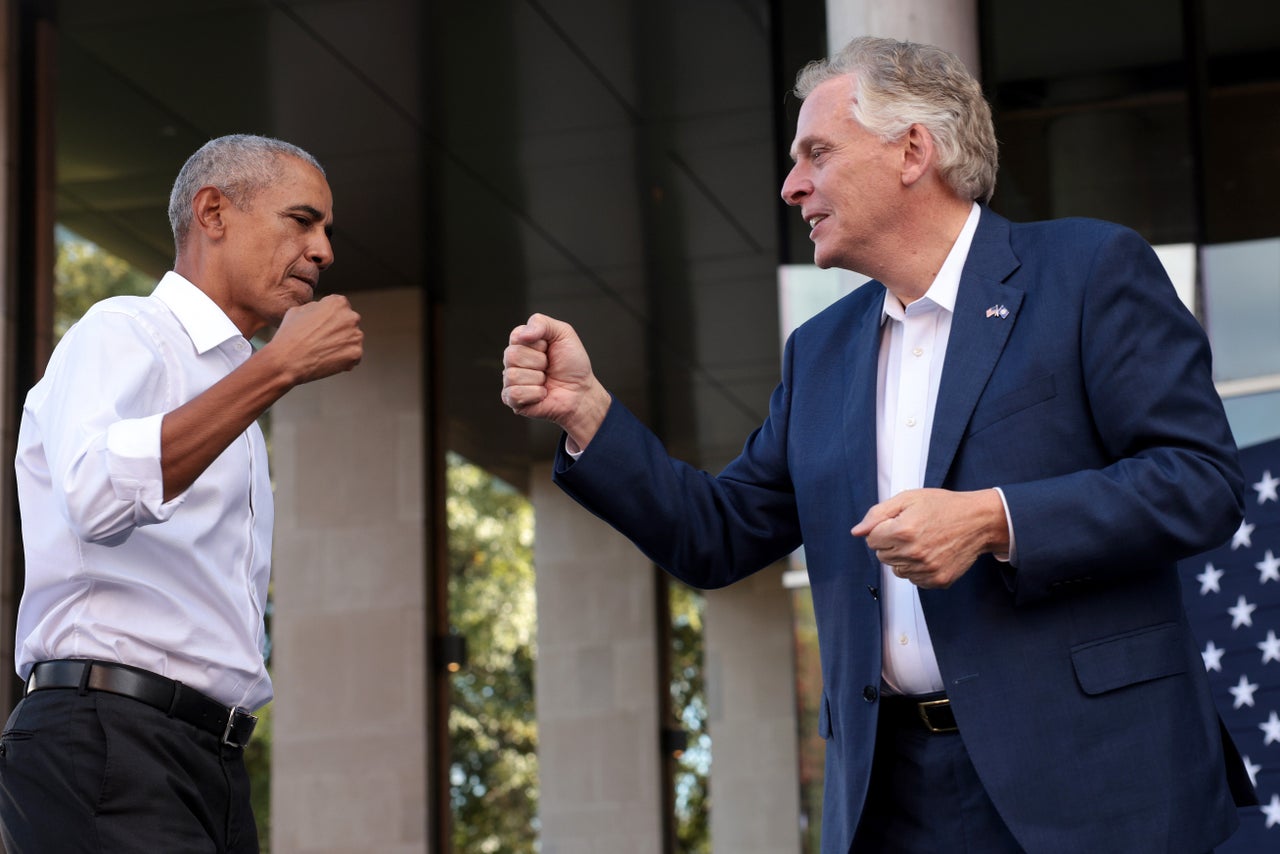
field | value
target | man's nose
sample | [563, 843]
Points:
[321, 253]
[796, 187]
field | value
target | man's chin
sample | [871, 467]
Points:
[823, 260]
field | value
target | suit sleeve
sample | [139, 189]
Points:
[706, 530]
[1172, 484]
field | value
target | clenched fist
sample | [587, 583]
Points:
[546, 374]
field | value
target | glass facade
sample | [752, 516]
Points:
[1169, 123]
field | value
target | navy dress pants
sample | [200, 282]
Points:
[925, 797]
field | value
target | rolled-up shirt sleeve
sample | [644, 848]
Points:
[96, 421]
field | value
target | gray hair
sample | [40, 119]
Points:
[899, 84]
[239, 165]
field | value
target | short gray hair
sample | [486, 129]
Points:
[239, 165]
[899, 84]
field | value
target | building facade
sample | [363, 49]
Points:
[616, 165]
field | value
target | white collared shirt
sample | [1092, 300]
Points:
[912, 351]
[113, 571]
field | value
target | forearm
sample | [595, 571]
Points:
[707, 531]
[196, 433]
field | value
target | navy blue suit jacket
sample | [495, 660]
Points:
[1077, 686]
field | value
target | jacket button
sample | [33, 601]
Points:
[870, 693]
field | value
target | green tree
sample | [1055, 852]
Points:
[689, 703]
[83, 274]
[492, 726]
[809, 694]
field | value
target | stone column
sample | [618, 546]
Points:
[950, 24]
[596, 678]
[749, 642]
[349, 761]
[750, 671]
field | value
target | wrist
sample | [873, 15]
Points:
[582, 424]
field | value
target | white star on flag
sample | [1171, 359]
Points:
[1251, 769]
[1243, 536]
[1241, 613]
[1271, 728]
[1268, 568]
[1212, 657]
[1243, 692]
[1266, 488]
[1272, 811]
[1270, 647]
[1209, 579]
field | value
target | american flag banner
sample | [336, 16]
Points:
[1232, 595]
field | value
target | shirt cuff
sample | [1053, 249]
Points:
[133, 466]
[1012, 555]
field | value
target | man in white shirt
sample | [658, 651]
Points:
[147, 519]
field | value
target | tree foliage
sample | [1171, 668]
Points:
[492, 725]
[83, 274]
[689, 702]
[809, 691]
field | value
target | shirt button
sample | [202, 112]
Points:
[919, 351]
[903, 639]
[869, 694]
[911, 422]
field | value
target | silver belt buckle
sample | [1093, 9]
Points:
[237, 714]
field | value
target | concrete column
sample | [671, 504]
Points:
[750, 671]
[749, 642]
[596, 681]
[950, 24]
[349, 760]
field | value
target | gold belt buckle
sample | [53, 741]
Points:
[924, 707]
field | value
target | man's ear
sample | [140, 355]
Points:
[918, 154]
[207, 209]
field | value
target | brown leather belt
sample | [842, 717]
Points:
[232, 726]
[932, 712]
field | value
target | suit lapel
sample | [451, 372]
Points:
[986, 311]
[859, 412]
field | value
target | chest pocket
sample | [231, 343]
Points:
[1036, 391]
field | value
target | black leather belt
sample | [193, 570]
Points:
[232, 726]
[932, 712]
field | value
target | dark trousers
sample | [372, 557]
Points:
[925, 797]
[96, 772]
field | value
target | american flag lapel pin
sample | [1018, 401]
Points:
[998, 311]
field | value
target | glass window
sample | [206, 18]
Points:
[493, 732]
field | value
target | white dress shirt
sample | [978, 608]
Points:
[113, 571]
[912, 351]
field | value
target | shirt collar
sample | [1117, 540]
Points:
[204, 322]
[942, 292]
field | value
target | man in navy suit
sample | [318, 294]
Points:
[994, 454]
